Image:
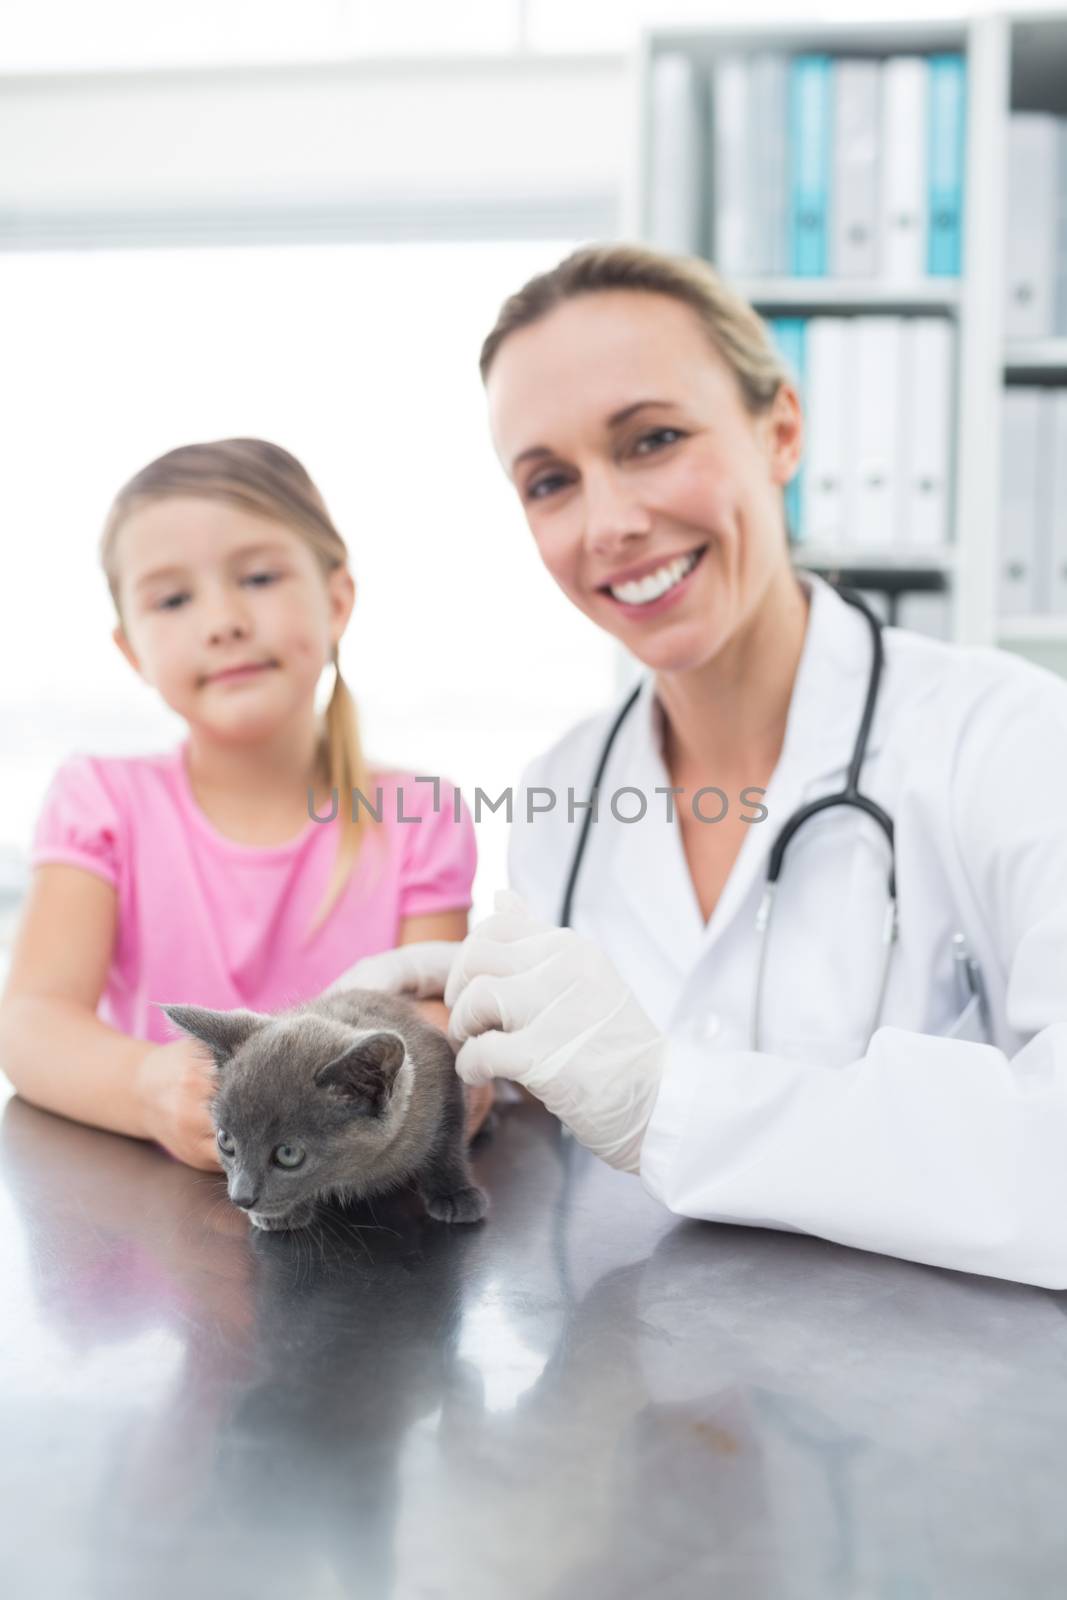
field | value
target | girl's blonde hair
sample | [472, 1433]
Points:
[268, 481]
[734, 329]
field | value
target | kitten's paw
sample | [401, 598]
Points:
[298, 1217]
[464, 1205]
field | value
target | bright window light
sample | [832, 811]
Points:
[464, 657]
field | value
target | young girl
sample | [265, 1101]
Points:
[203, 874]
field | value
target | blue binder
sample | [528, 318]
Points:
[810, 116]
[945, 158]
[788, 335]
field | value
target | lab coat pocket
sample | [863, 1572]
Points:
[825, 950]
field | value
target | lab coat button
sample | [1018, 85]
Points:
[711, 1025]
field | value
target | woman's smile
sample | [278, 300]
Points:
[657, 589]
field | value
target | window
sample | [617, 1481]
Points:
[463, 656]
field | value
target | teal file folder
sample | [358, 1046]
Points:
[788, 335]
[945, 158]
[810, 117]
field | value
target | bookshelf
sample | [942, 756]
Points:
[1010, 63]
[1035, 630]
[843, 294]
[1036, 359]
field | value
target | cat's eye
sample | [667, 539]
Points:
[225, 1142]
[288, 1155]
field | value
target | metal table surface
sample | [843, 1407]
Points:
[585, 1396]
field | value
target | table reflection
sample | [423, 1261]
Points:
[583, 1395]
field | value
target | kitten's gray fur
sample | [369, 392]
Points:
[359, 1082]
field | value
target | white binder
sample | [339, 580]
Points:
[829, 408]
[768, 215]
[854, 209]
[927, 409]
[677, 179]
[731, 190]
[1044, 555]
[927, 612]
[1061, 248]
[877, 601]
[1030, 280]
[1057, 435]
[903, 145]
[1020, 442]
[872, 471]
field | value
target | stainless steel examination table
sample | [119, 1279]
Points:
[584, 1397]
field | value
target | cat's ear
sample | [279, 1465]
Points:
[224, 1032]
[366, 1072]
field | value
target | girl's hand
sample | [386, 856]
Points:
[176, 1083]
[479, 1104]
[433, 1011]
[420, 970]
[480, 1099]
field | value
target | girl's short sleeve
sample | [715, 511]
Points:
[440, 854]
[79, 824]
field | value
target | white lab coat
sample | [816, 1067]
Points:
[925, 1143]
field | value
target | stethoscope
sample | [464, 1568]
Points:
[850, 796]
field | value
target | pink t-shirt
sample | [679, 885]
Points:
[204, 920]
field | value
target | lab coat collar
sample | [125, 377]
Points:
[828, 692]
[824, 715]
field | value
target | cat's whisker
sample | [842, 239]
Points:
[204, 1180]
[350, 1228]
[320, 1237]
[310, 1244]
[298, 1252]
[309, 1247]
[206, 1218]
[380, 1226]
[334, 1230]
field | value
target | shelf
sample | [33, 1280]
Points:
[1013, 62]
[943, 559]
[1037, 355]
[1039, 629]
[864, 38]
[851, 294]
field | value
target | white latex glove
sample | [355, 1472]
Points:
[420, 970]
[546, 1008]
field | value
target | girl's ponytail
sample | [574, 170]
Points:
[346, 771]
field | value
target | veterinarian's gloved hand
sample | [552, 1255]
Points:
[546, 1008]
[420, 970]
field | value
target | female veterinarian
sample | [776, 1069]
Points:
[807, 968]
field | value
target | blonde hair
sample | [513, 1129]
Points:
[735, 330]
[268, 481]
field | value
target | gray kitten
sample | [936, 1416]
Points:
[343, 1096]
